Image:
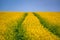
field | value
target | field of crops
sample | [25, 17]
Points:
[29, 25]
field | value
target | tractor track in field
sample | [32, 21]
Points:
[47, 25]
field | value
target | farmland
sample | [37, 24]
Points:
[29, 25]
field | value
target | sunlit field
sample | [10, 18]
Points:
[29, 25]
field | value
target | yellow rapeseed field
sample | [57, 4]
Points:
[29, 25]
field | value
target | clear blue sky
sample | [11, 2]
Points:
[29, 5]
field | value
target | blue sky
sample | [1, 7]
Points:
[29, 5]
